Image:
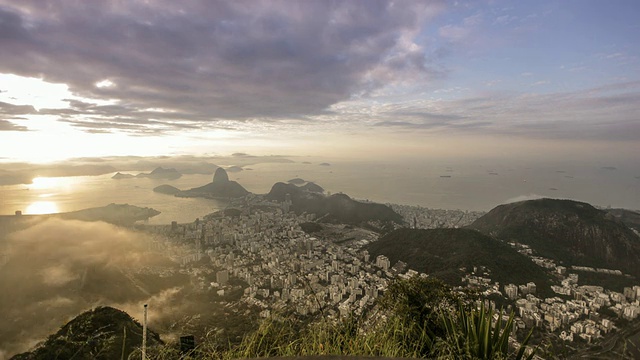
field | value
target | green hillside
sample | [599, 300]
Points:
[571, 232]
[442, 252]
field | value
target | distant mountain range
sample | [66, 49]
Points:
[100, 333]
[338, 208]
[571, 232]
[159, 173]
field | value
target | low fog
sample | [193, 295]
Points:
[59, 268]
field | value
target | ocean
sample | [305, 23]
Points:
[469, 185]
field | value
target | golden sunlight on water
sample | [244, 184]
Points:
[40, 183]
[41, 207]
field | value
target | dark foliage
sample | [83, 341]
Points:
[442, 252]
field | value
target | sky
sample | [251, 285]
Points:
[504, 79]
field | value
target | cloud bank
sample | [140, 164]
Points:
[59, 268]
[169, 62]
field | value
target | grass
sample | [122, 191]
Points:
[402, 325]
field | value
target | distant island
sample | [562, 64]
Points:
[159, 173]
[117, 214]
[234, 169]
[120, 175]
[296, 181]
[166, 189]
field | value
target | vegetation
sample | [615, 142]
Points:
[570, 232]
[418, 318]
[102, 333]
[442, 252]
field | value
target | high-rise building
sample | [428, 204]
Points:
[383, 262]
[512, 291]
[222, 277]
[286, 205]
[531, 288]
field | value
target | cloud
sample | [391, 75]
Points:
[577, 115]
[206, 61]
[462, 32]
[6, 125]
[11, 109]
[12, 112]
[541, 82]
[59, 268]
[57, 275]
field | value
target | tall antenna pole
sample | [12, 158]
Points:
[144, 334]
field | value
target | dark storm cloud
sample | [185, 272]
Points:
[209, 60]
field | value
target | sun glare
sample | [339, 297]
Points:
[47, 183]
[44, 183]
[20, 90]
[41, 207]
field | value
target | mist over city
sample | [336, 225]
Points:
[243, 179]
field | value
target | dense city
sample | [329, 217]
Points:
[282, 267]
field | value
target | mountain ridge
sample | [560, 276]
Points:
[572, 232]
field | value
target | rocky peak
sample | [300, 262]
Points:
[220, 176]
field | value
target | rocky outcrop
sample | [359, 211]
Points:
[220, 187]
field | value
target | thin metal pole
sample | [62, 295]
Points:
[144, 334]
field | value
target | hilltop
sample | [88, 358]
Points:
[117, 214]
[442, 252]
[120, 175]
[166, 189]
[337, 208]
[219, 187]
[571, 232]
[100, 333]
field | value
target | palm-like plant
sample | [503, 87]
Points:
[470, 333]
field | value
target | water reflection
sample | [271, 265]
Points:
[41, 207]
[42, 183]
